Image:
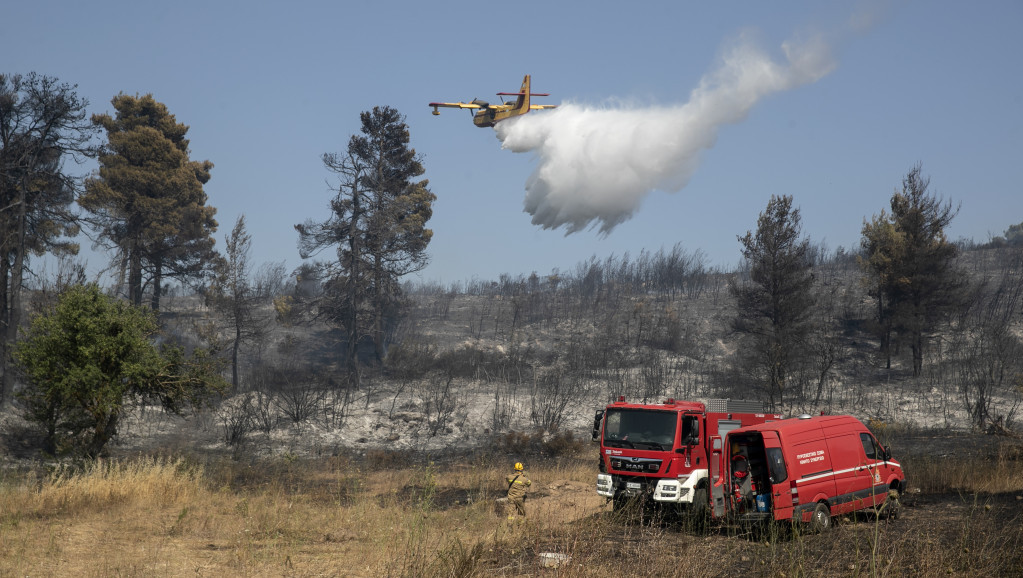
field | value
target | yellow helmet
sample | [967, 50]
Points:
[518, 466]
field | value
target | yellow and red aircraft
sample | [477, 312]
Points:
[491, 114]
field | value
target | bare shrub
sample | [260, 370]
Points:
[235, 419]
[301, 401]
[563, 443]
[541, 443]
[503, 407]
[438, 402]
[655, 373]
[285, 390]
[477, 363]
[549, 396]
[990, 353]
[387, 459]
[478, 317]
[335, 406]
[263, 411]
[406, 364]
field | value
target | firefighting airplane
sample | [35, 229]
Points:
[491, 114]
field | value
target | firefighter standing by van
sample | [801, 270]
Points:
[517, 484]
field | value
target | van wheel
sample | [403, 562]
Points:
[820, 520]
[891, 505]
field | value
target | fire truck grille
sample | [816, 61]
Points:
[636, 465]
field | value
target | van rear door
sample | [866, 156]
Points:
[811, 462]
[783, 491]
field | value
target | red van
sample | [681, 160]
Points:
[806, 469]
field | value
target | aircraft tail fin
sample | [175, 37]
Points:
[522, 103]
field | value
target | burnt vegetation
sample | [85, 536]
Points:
[470, 362]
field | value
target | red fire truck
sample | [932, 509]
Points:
[668, 453]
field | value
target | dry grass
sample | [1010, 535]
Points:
[173, 517]
[177, 517]
[969, 473]
[104, 485]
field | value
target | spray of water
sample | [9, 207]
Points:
[596, 164]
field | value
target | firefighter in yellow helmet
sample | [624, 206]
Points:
[517, 484]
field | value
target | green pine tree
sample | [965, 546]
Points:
[377, 225]
[147, 201]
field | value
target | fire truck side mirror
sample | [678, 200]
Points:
[597, 417]
[886, 453]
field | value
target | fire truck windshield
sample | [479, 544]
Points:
[640, 428]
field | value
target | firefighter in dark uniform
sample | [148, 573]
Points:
[517, 484]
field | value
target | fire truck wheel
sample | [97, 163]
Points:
[821, 518]
[700, 502]
[698, 513]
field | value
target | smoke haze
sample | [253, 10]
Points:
[597, 164]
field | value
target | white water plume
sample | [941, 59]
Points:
[597, 164]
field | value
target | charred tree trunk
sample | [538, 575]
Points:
[157, 285]
[135, 274]
[15, 276]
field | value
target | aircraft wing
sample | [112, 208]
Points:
[454, 105]
[542, 106]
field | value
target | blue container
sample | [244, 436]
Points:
[763, 502]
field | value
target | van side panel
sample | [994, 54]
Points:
[847, 461]
[809, 461]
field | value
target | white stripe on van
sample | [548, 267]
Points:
[826, 474]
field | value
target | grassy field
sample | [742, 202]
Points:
[378, 516]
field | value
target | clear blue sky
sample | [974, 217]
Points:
[268, 87]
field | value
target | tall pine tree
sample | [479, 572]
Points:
[43, 123]
[911, 265]
[147, 200]
[775, 304]
[377, 225]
